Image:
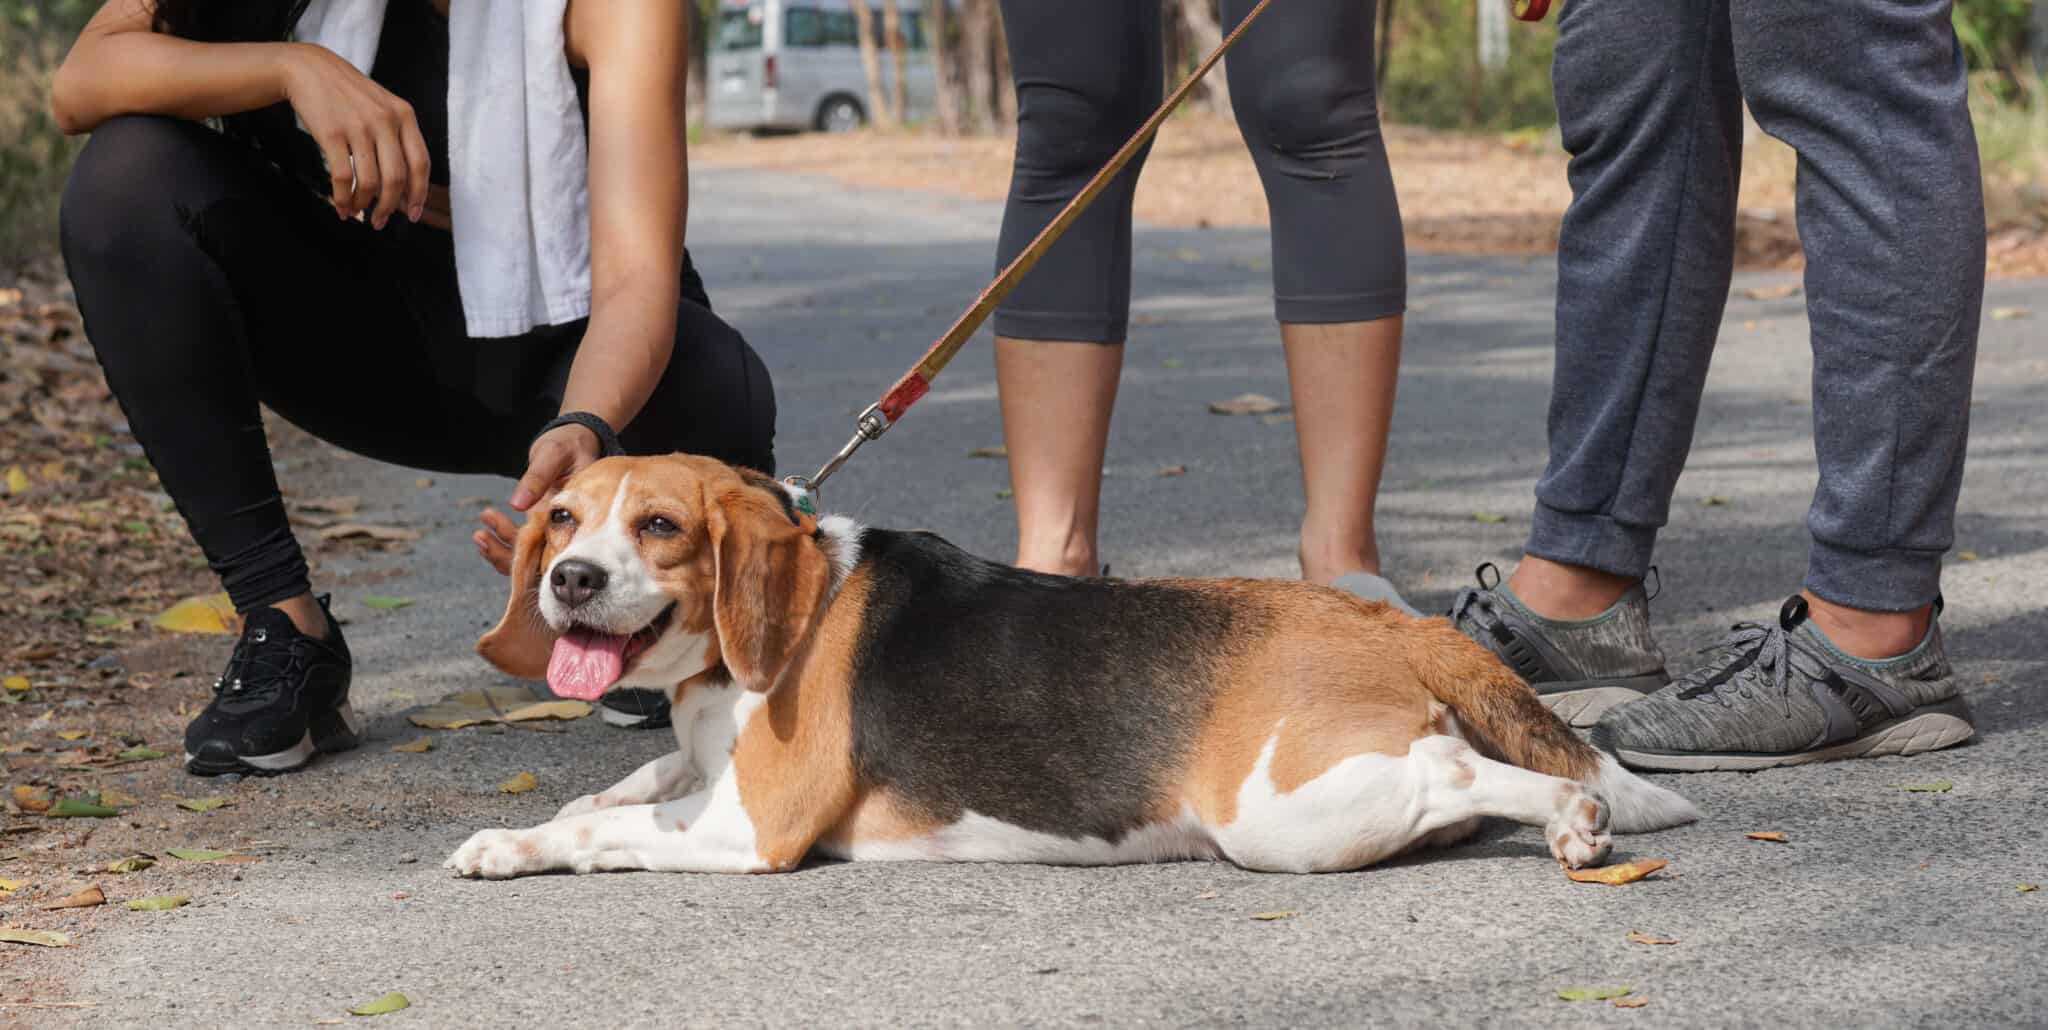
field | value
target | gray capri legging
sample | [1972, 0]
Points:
[1089, 72]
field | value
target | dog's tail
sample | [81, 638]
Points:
[1502, 718]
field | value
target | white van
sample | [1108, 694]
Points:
[795, 64]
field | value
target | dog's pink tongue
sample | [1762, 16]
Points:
[586, 663]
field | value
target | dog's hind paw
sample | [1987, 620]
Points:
[493, 855]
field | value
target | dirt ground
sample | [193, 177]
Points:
[1460, 193]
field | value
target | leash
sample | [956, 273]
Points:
[915, 383]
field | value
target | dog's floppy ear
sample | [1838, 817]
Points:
[771, 581]
[521, 642]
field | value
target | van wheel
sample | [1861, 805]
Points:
[840, 114]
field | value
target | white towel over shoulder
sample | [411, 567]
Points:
[519, 176]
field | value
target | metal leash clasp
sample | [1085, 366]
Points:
[871, 424]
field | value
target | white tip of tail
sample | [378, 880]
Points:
[1634, 804]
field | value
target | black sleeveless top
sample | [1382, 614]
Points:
[412, 62]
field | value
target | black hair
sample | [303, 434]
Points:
[271, 131]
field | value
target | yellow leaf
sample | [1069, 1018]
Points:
[202, 804]
[1639, 937]
[519, 784]
[17, 481]
[1967, 555]
[1267, 917]
[2029, 888]
[206, 613]
[493, 704]
[160, 903]
[131, 864]
[73, 734]
[88, 898]
[1628, 872]
[1629, 1003]
[389, 1003]
[1769, 835]
[416, 746]
[29, 799]
[41, 938]
[1592, 993]
[15, 682]
[10, 886]
[113, 797]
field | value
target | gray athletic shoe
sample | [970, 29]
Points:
[1580, 668]
[1782, 694]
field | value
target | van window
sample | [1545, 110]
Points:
[803, 26]
[738, 30]
[840, 29]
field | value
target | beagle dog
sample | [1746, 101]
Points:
[865, 694]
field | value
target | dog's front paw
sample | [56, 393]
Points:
[493, 855]
[584, 805]
[1578, 833]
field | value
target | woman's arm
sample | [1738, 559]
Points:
[638, 55]
[120, 65]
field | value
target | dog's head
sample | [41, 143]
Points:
[650, 571]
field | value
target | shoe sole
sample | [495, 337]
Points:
[336, 731]
[1581, 704]
[1931, 728]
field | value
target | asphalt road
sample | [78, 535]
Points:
[1886, 908]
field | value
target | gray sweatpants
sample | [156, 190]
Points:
[1871, 93]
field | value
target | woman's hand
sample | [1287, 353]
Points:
[494, 541]
[375, 154]
[555, 456]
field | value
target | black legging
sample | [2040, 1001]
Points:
[210, 283]
[1089, 72]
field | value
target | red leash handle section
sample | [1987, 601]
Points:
[918, 381]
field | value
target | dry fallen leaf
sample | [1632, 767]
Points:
[40, 938]
[415, 746]
[342, 505]
[73, 734]
[1779, 292]
[1488, 517]
[114, 797]
[1246, 404]
[2028, 888]
[1714, 502]
[1967, 555]
[30, 799]
[1628, 872]
[87, 898]
[1629, 1002]
[1206, 896]
[17, 481]
[998, 451]
[78, 808]
[389, 1003]
[1937, 787]
[366, 531]
[202, 804]
[1592, 993]
[519, 784]
[205, 613]
[493, 704]
[1267, 917]
[139, 754]
[1173, 470]
[1769, 835]
[131, 864]
[15, 683]
[159, 903]
[9, 886]
[195, 854]
[1639, 937]
[2011, 314]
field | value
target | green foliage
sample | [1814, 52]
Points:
[34, 156]
[1433, 74]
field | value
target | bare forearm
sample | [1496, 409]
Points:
[141, 72]
[625, 350]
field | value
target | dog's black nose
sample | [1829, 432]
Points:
[576, 581]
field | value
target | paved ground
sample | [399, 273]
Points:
[1887, 908]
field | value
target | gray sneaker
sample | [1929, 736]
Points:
[1580, 668]
[1782, 694]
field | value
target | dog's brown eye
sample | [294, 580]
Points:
[560, 517]
[658, 526]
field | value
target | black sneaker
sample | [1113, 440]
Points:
[1581, 667]
[283, 698]
[634, 708]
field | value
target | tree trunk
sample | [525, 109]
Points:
[695, 95]
[1204, 36]
[977, 65]
[870, 62]
[945, 95]
[899, 64]
[1006, 85]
